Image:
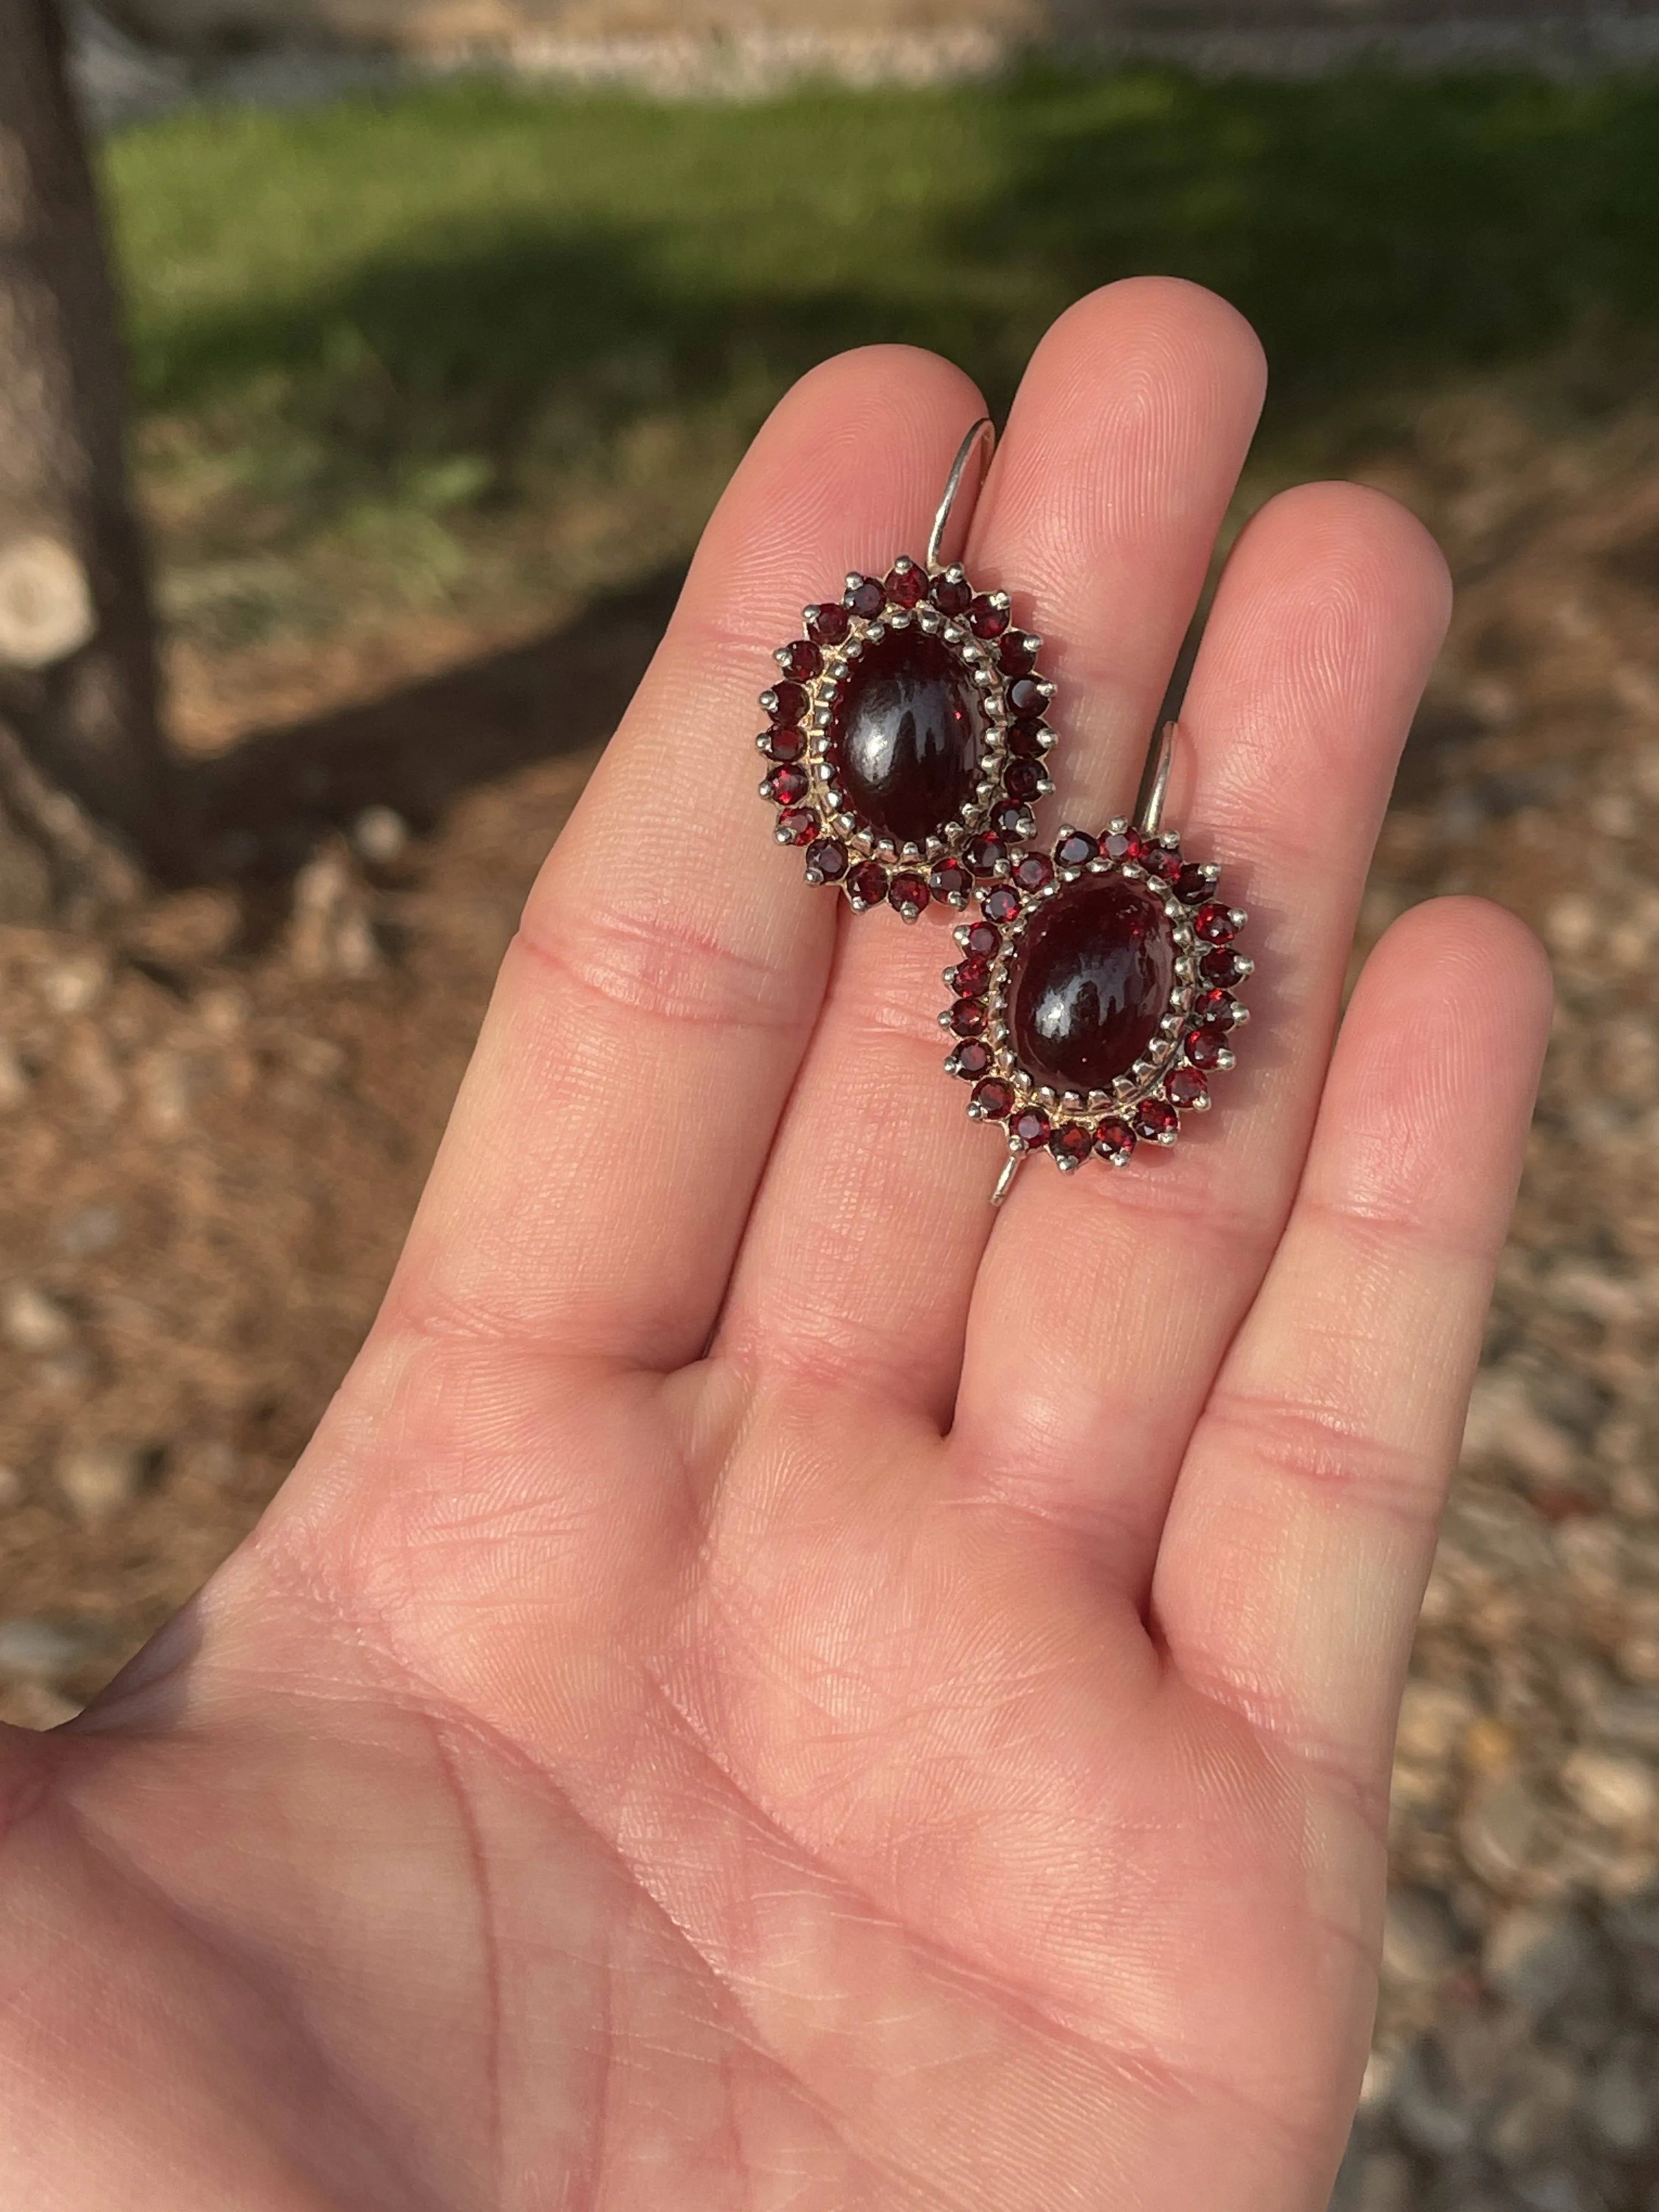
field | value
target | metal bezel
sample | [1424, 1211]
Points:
[1168, 1051]
[980, 659]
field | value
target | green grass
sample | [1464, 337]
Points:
[397, 324]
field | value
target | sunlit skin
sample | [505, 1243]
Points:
[775, 1687]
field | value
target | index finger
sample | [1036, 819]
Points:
[646, 1027]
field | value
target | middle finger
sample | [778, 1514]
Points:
[1121, 454]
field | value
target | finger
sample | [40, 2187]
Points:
[1302, 1525]
[1121, 454]
[1110, 1296]
[649, 1018]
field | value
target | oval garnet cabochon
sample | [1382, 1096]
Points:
[907, 734]
[1092, 978]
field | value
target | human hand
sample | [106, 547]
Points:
[775, 1685]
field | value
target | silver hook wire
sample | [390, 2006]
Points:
[1156, 782]
[983, 432]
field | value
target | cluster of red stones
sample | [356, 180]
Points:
[1094, 999]
[895, 711]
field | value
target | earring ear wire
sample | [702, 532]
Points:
[980, 439]
[907, 732]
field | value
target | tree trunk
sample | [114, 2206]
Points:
[78, 665]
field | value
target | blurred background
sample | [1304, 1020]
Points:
[447, 321]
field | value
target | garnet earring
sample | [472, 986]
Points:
[1094, 999]
[908, 730]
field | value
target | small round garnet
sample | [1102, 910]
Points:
[991, 1100]
[1157, 1120]
[1092, 980]
[1215, 925]
[1069, 1144]
[798, 827]
[1075, 849]
[1031, 1126]
[1001, 905]
[1187, 1087]
[985, 855]
[1205, 1048]
[1012, 821]
[972, 1060]
[1160, 862]
[967, 1016]
[1033, 870]
[828, 624]
[908, 894]
[867, 885]
[1023, 778]
[783, 745]
[826, 860]
[952, 595]
[1123, 844]
[1114, 1141]
[988, 618]
[983, 939]
[785, 702]
[786, 785]
[1016, 656]
[950, 880]
[866, 598]
[906, 732]
[1215, 1009]
[1025, 738]
[1222, 965]
[1194, 883]
[801, 660]
[970, 978]
[1027, 697]
[907, 584]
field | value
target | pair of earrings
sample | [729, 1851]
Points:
[908, 737]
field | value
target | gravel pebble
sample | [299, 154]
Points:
[1611, 1788]
[1558, 2189]
[75, 985]
[1619, 2103]
[1420, 1944]
[92, 1229]
[1534, 1955]
[35, 1322]
[1432, 2109]
[98, 1480]
[1533, 2113]
[1502, 1831]
[380, 834]
[43, 1650]
[14, 1077]
[1373, 2181]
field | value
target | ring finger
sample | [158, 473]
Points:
[1108, 1299]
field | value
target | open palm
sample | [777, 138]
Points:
[775, 1687]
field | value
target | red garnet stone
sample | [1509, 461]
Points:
[1092, 980]
[991, 1099]
[1069, 1144]
[906, 735]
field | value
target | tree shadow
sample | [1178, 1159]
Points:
[1381, 232]
[1384, 234]
[1374, 227]
[257, 811]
